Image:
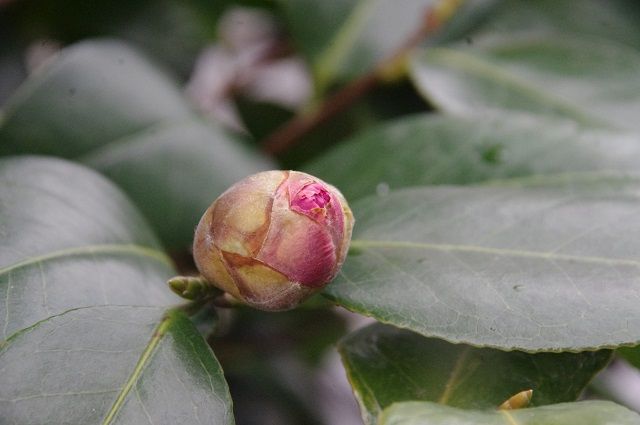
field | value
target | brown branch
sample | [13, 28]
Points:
[291, 132]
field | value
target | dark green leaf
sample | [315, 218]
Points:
[593, 83]
[436, 149]
[112, 365]
[583, 413]
[70, 239]
[387, 365]
[100, 102]
[511, 267]
[631, 355]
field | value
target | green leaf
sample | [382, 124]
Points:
[387, 365]
[87, 337]
[436, 149]
[112, 365]
[102, 103]
[594, 83]
[614, 19]
[343, 39]
[174, 171]
[95, 92]
[517, 266]
[583, 413]
[71, 239]
[631, 355]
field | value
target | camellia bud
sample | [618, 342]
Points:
[274, 238]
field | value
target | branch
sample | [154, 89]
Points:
[289, 133]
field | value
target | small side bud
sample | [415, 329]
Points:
[274, 239]
[517, 401]
[191, 287]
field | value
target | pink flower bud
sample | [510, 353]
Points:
[274, 238]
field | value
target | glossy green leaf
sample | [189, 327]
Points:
[593, 83]
[583, 413]
[342, 39]
[102, 103]
[71, 239]
[517, 266]
[112, 365]
[436, 149]
[387, 365]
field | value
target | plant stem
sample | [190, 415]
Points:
[291, 132]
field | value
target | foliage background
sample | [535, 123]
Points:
[491, 166]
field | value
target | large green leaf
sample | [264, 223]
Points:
[436, 149]
[583, 413]
[511, 267]
[342, 39]
[592, 82]
[86, 337]
[112, 365]
[387, 365]
[70, 239]
[101, 103]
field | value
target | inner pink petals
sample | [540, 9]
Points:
[312, 199]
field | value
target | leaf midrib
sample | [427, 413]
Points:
[158, 333]
[132, 249]
[550, 256]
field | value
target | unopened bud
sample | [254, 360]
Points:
[274, 238]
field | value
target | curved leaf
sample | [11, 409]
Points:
[511, 267]
[112, 365]
[583, 413]
[93, 93]
[437, 149]
[71, 239]
[593, 83]
[387, 365]
[102, 103]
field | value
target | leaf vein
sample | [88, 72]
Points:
[91, 250]
[549, 256]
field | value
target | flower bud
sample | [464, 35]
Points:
[274, 238]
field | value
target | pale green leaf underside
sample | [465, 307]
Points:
[615, 20]
[583, 413]
[112, 365]
[592, 82]
[387, 365]
[71, 239]
[545, 268]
